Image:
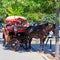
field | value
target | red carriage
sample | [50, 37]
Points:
[14, 31]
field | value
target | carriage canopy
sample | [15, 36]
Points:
[15, 19]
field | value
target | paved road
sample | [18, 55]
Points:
[6, 54]
[26, 55]
[20, 55]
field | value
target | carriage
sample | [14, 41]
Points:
[14, 32]
[17, 32]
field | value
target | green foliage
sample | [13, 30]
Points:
[33, 10]
[58, 4]
[50, 18]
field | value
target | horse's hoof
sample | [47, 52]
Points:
[26, 48]
[41, 51]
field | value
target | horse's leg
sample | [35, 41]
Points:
[26, 45]
[41, 45]
[30, 43]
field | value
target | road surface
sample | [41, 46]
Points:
[19, 55]
[34, 54]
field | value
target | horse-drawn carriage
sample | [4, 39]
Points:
[17, 32]
[14, 32]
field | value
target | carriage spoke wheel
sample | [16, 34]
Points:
[14, 45]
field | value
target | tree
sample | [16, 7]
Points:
[57, 31]
[31, 9]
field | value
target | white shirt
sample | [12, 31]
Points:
[50, 34]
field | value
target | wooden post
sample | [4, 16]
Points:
[57, 35]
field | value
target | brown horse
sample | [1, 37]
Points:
[39, 31]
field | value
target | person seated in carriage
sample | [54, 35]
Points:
[27, 24]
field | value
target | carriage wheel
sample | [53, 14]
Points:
[14, 45]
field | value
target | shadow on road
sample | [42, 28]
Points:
[36, 48]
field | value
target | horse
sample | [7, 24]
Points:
[39, 31]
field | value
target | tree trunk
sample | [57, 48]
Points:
[57, 35]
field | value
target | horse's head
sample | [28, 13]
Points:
[50, 27]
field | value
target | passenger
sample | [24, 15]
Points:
[26, 24]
